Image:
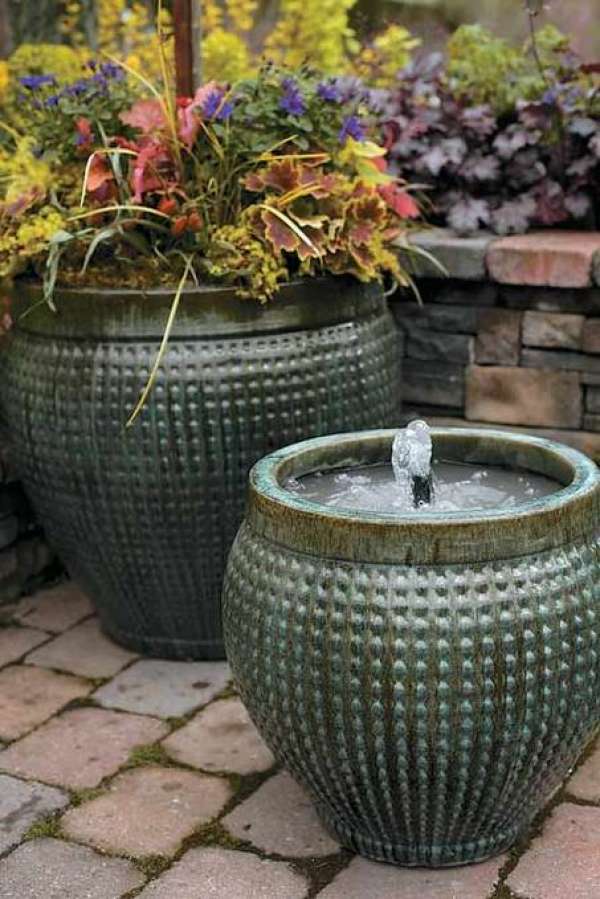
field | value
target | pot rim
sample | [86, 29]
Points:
[569, 514]
[207, 311]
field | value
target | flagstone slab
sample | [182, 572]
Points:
[563, 862]
[21, 804]
[53, 869]
[29, 696]
[163, 688]
[80, 747]
[226, 874]
[55, 609]
[221, 738]
[83, 650]
[148, 811]
[362, 879]
[15, 642]
[279, 818]
[585, 783]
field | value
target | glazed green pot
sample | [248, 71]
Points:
[144, 516]
[430, 678]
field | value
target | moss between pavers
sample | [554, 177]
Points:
[85, 794]
[49, 826]
[152, 866]
[148, 754]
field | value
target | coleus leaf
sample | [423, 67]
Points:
[468, 214]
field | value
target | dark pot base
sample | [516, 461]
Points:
[422, 856]
[167, 648]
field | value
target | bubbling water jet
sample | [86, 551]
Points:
[411, 461]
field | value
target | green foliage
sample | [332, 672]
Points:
[488, 69]
[48, 827]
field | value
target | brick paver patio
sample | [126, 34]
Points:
[124, 777]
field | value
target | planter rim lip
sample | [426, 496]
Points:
[570, 513]
[206, 311]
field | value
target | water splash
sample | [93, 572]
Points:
[411, 461]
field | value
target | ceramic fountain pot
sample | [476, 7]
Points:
[431, 677]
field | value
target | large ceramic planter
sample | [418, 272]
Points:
[429, 678]
[144, 516]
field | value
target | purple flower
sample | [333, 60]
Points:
[352, 127]
[215, 108]
[52, 101]
[292, 100]
[112, 71]
[329, 91]
[33, 82]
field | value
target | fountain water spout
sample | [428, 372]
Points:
[411, 461]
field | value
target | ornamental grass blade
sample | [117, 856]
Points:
[163, 346]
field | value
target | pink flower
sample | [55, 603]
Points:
[189, 123]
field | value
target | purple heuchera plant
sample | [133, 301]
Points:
[539, 165]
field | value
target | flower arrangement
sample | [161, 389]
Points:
[499, 137]
[251, 185]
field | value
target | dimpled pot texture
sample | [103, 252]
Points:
[429, 678]
[144, 516]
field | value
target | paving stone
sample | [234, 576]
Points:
[362, 879]
[148, 811]
[83, 650]
[585, 783]
[22, 803]
[166, 689]
[553, 330]
[280, 818]
[433, 383]
[29, 696]
[221, 738]
[461, 257]
[523, 396]
[564, 860]
[545, 258]
[226, 874]
[15, 642]
[426, 344]
[498, 337]
[55, 609]
[591, 336]
[80, 747]
[53, 869]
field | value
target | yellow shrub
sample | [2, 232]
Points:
[65, 63]
[225, 56]
[390, 51]
[317, 31]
